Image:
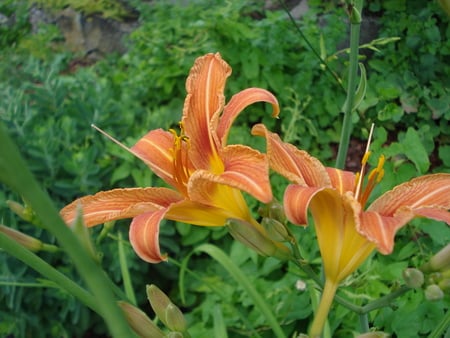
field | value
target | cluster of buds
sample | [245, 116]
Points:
[433, 276]
[167, 312]
[266, 238]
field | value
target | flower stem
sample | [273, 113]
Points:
[324, 307]
[351, 87]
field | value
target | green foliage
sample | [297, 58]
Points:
[48, 110]
[14, 25]
[105, 8]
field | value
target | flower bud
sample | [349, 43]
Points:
[439, 261]
[444, 285]
[275, 229]
[174, 335]
[413, 278]
[274, 210]
[166, 311]
[257, 239]
[26, 241]
[139, 321]
[23, 212]
[433, 292]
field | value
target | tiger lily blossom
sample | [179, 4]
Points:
[206, 174]
[348, 231]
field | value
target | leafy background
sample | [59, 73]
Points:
[48, 106]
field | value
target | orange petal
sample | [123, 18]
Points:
[296, 202]
[436, 213]
[247, 170]
[425, 191]
[119, 203]
[382, 229]
[341, 180]
[203, 104]
[155, 149]
[238, 103]
[294, 164]
[144, 236]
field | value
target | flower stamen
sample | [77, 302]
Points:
[181, 172]
[374, 177]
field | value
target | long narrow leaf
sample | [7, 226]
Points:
[128, 286]
[246, 284]
[15, 173]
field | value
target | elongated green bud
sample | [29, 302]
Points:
[257, 239]
[275, 229]
[413, 278]
[166, 311]
[440, 261]
[26, 241]
[24, 212]
[139, 322]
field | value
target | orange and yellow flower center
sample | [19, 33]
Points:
[181, 172]
[362, 194]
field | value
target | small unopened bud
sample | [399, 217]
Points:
[257, 239]
[23, 212]
[439, 261]
[139, 321]
[413, 278]
[274, 210]
[433, 292]
[26, 241]
[166, 311]
[175, 335]
[275, 229]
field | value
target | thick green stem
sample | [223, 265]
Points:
[364, 322]
[351, 88]
[321, 314]
[35, 262]
[15, 173]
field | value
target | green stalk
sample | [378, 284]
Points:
[442, 327]
[38, 264]
[321, 314]
[355, 26]
[15, 174]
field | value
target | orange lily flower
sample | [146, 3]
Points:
[207, 174]
[347, 231]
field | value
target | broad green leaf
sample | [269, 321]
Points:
[415, 151]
